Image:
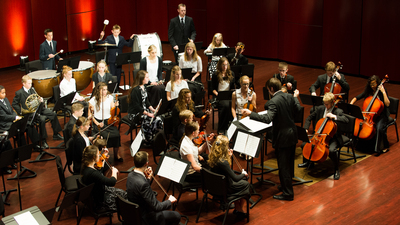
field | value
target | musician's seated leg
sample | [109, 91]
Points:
[334, 155]
[382, 143]
[305, 161]
[55, 124]
[224, 115]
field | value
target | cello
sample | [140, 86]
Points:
[372, 108]
[317, 150]
[334, 87]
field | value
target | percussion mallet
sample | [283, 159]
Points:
[106, 22]
[61, 51]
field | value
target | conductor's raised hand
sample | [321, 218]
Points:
[172, 199]
[296, 93]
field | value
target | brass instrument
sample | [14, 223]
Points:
[32, 103]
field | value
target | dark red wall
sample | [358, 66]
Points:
[362, 34]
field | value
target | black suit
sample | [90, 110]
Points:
[281, 110]
[288, 79]
[68, 128]
[241, 61]
[178, 35]
[44, 52]
[7, 116]
[79, 144]
[321, 82]
[19, 101]
[112, 53]
[153, 212]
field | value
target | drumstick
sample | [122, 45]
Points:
[105, 24]
[61, 51]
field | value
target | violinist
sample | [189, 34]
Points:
[140, 192]
[335, 114]
[138, 104]
[326, 78]
[102, 74]
[185, 117]
[81, 141]
[196, 156]
[243, 96]
[237, 58]
[104, 193]
[286, 79]
[191, 59]
[101, 104]
[220, 162]
[176, 83]
[381, 144]
[77, 111]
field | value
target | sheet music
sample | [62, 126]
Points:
[231, 130]
[240, 143]
[136, 143]
[252, 145]
[172, 169]
[254, 125]
[26, 219]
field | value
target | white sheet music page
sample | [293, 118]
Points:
[254, 125]
[26, 218]
[252, 145]
[172, 169]
[240, 143]
[136, 143]
[231, 130]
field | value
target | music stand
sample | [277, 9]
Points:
[72, 62]
[167, 106]
[112, 86]
[224, 95]
[64, 101]
[302, 136]
[128, 58]
[187, 73]
[36, 213]
[198, 45]
[5, 161]
[311, 100]
[219, 52]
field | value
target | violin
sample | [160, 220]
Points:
[248, 105]
[317, 150]
[199, 140]
[334, 87]
[115, 111]
[372, 108]
[103, 157]
[204, 119]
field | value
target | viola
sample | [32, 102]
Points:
[203, 137]
[372, 108]
[334, 87]
[115, 111]
[248, 105]
[317, 150]
[204, 119]
[102, 158]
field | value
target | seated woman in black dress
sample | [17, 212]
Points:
[139, 105]
[153, 65]
[224, 80]
[80, 142]
[381, 144]
[104, 192]
[220, 162]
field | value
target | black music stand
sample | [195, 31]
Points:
[113, 87]
[302, 136]
[167, 106]
[187, 73]
[128, 58]
[63, 102]
[5, 161]
[311, 100]
[223, 51]
[73, 62]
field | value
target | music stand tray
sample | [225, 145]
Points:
[66, 100]
[311, 100]
[36, 213]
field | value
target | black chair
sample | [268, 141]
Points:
[33, 66]
[349, 140]
[85, 196]
[68, 184]
[68, 155]
[248, 70]
[128, 212]
[49, 214]
[99, 56]
[216, 185]
[2, 206]
[68, 200]
[393, 109]
[159, 145]
[66, 108]
[214, 107]
[123, 105]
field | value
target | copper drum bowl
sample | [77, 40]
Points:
[83, 75]
[43, 81]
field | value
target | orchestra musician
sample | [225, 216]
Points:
[113, 52]
[335, 114]
[68, 85]
[102, 74]
[381, 144]
[185, 117]
[80, 142]
[139, 191]
[326, 78]
[192, 60]
[220, 162]
[281, 110]
[196, 156]
[181, 30]
[138, 104]
[217, 42]
[242, 96]
[224, 80]
[153, 65]
[104, 193]
[76, 112]
[176, 83]
[287, 80]
[101, 104]
[237, 58]
[48, 50]
[19, 106]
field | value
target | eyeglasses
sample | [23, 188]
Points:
[245, 84]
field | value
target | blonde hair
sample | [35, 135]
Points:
[185, 115]
[174, 70]
[244, 77]
[66, 69]
[219, 151]
[151, 48]
[214, 43]
[25, 78]
[76, 107]
[181, 103]
[191, 127]
[194, 54]
[283, 65]
[330, 66]
[328, 97]
[105, 64]
[116, 27]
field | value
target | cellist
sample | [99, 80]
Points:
[242, 96]
[335, 114]
[381, 144]
[326, 78]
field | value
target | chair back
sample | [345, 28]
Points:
[347, 128]
[394, 106]
[248, 70]
[168, 125]
[60, 171]
[159, 144]
[266, 93]
[69, 154]
[56, 93]
[99, 56]
[85, 193]
[123, 103]
[128, 212]
[214, 184]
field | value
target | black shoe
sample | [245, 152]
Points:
[280, 188]
[37, 147]
[239, 214]
[284, 197]
[44, 144]
[7, 171]
[58, 137]
[336, 176]
[305, 164]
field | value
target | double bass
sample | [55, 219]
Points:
[317, 150]
[372, 108]
[334, 87]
